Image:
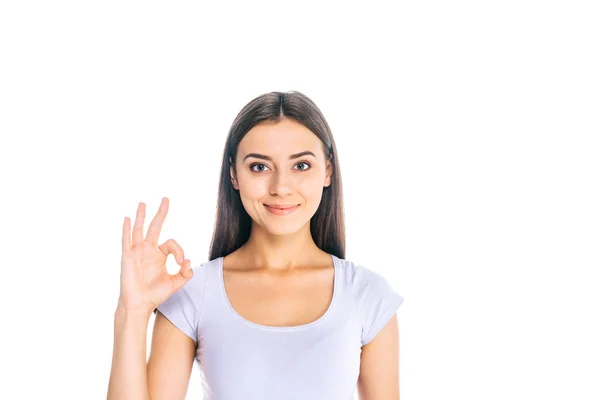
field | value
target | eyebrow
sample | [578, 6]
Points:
[263, 157]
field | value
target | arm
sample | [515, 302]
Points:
[379, 365]
[167, 373]
[171, 359]
[145, 285]
[128, 372]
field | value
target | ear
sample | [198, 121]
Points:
[232, 175]
[328, 173]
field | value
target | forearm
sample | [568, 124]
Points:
[128, 377]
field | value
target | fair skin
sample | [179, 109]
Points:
[145, 284]
[279, 251]
[280, 244]
[380, 365]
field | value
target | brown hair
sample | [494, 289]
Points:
[232, 223]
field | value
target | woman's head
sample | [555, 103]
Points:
[279, 150]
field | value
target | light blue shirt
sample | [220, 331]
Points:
[318, 361]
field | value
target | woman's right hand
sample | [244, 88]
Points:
[145, 282]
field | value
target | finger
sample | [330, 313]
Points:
[172, 247]
[157, 222]
[185, 274]
[138, 228]
[126, 240]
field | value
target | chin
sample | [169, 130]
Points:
[281, 227]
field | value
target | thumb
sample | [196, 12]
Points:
[185, 274]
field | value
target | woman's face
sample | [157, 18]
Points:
[266, 174]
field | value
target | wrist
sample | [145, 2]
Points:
[138, 312]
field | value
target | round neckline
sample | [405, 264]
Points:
[336, 279]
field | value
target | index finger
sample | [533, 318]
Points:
[156, 224]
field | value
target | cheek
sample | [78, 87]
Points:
[249, 186]
[311, 189]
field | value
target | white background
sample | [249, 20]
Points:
[467, 134]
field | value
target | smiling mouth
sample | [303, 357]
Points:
[282, 211]
[282, 207]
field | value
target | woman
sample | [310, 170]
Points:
[277, 312]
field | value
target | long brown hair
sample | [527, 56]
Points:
[233, 224]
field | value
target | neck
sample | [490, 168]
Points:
[280, 252]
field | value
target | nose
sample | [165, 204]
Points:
[281, 183]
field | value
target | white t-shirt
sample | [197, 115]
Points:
[319, 361]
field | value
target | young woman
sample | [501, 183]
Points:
[276, 312]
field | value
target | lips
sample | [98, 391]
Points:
[282, 209]
[282, 206]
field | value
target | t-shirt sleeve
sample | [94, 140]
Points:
[184, 307]
[378, 302]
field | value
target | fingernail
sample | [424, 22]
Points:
[180, 260]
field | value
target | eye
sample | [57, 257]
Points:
[305, 163]
[254, 165]
[264, 166]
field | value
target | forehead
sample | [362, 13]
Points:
[279, 139]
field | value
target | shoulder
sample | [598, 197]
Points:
[191, 294]
[365, 284]
[361, 277]
[201, 272]
[375, 298]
